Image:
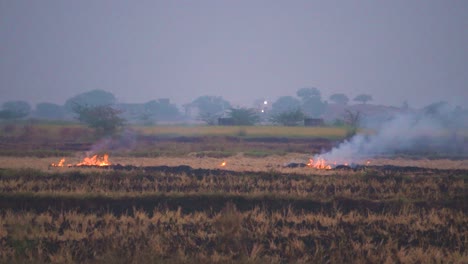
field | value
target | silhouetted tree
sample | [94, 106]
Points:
[161, 109]
[49, 111]
[436, 109]
[352, 119]
[339, 98]
[103, 118]
[90, 99]
[312, 104]
[307, 93]
[209, 118]
[451, 118]
[244, 116]
[211, 105]
[285, 104]
[364, 98]
[15, 110]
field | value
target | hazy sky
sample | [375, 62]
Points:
[241, 50]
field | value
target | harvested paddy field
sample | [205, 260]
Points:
[238, 162]
[228, 200]
[265, 214]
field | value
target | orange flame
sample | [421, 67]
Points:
[95, 161]
[320, 164]
[222, 164]
[92, 161]
[60, 164]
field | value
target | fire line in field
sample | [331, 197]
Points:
[319, 163]
[60, 164]
[322, 164]
[95, 160]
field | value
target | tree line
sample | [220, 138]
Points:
[307, 102]
[100, 110]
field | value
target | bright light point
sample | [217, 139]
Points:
[263, 111]
[265, 102]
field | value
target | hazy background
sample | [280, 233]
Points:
[241, 50]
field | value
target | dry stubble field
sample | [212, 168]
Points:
[250, 211]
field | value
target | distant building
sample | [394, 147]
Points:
[313, 122]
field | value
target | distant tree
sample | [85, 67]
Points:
[211, 104]
[134, 112]
[364, 98]
[15, 110]
[314, 108]
[146, 119]
[210, 108]
[244, 116]
[4, 114]
[436, 108]
[352, 119]
[339, 98]
[312, 104]
[445, 114]
[285, 104]
[454, 119]
[103, 118]
[288, 118]
[90, 99]
[161, 109]
[308, 93]
[50, 111]
[209, 118]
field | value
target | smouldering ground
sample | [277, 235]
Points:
[171, 217]
[238, 162]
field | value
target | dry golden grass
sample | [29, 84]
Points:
[407, 233]
[214, 186]
[232, 236]
[253, 131]
[423, 163]
[423, 217]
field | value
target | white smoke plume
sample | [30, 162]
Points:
[124, 141]
[405, 132]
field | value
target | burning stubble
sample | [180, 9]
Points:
[405, 133]
[95, 160]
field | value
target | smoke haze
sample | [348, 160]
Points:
[433, 130]
[241, 50]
